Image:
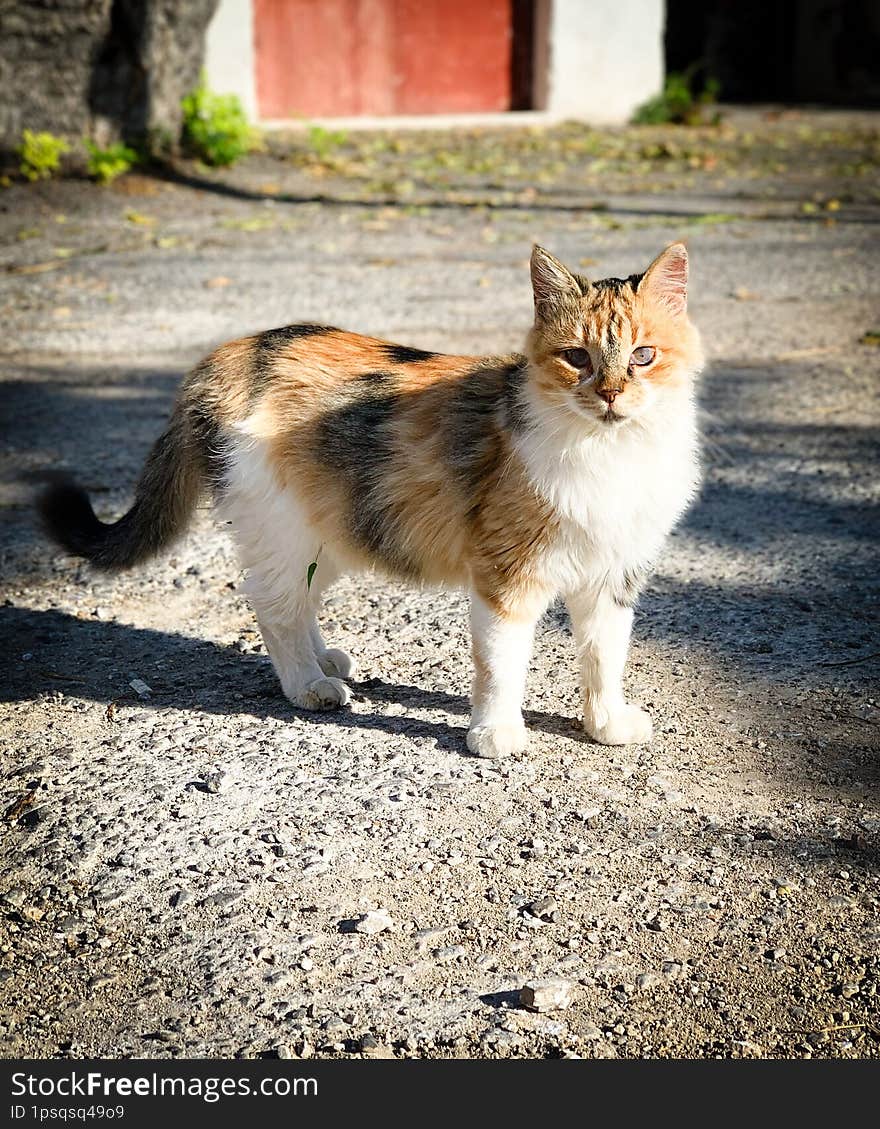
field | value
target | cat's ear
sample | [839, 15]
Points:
[552, 283]
[666, 279]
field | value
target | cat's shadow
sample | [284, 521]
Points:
[50, 651]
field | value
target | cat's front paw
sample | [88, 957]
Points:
[497, 740]
[627, 726]
[322, 694]
[337, 663]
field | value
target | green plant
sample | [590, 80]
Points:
[323, 141]
[107, 164]
[215, 126]
[40, 154]
[679, 103]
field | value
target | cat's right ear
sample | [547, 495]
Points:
[552, 283]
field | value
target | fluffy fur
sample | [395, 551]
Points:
[553, 473]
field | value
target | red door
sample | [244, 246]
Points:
[349, 57]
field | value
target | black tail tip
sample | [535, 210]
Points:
[68, 517]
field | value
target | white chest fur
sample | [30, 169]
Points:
[617, 490]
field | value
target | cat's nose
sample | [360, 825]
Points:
[609, 395]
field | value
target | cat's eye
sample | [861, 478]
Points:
[578, 358]
[643, 355]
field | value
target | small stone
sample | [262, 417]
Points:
[306, 964]
[283, 1051]
[374, 921]
[591, 1033]
[140, 688]
[102, 981]
[551, 994]
[424, 937]
[543, 908]
[647, 980]
[450, 953]
[219, 781]
[849, 990]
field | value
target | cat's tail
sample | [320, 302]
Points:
[166, 495]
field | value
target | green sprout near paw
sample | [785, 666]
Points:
[310, 571]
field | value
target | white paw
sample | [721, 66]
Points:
[337, 663]
[497, 740]
[322, 694]
[628, 726]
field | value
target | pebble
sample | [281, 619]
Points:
[220, 781]
[374, 921]
[647, 980]
[551, 994]
[450, 953]
[543, 908]
[102, 981]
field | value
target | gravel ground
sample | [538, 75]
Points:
[190, 867]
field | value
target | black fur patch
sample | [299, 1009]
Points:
[355, 440]
[208, 438]
[515, 409]
[375, 380]
[270, 343]
[488, 397]
[405, 354]
[618, 284]
[625, 589]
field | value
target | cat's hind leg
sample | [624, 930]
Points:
[288, 567]
[308, 674]
[332, 660]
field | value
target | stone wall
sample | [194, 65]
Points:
[101, 68]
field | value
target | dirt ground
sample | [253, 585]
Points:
[184, 857]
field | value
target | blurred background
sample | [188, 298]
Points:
[115, 69]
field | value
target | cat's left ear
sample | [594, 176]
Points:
[666, 279]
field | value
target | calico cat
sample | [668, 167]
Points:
[556, 472]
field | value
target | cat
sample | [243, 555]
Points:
[557, 472]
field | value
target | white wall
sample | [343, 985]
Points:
[229, 53]
[606, 57]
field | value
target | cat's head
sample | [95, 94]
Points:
[615, 350]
